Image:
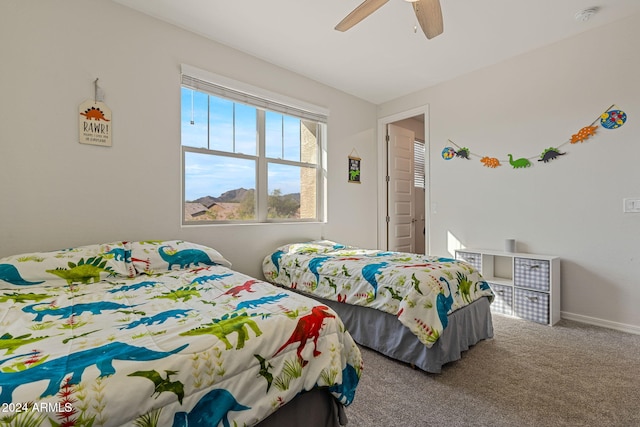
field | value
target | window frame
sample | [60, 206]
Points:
[237, 92]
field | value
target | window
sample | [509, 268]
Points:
[246, 158]
[418, 162]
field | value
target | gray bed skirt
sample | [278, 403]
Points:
[384, 333]
[314, 408]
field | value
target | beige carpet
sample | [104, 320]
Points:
[529, 374]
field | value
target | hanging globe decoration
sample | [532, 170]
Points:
[613, 119]
[448, 153]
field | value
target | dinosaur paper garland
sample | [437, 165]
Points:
[610, 119]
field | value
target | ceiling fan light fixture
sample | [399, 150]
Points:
[428, 14]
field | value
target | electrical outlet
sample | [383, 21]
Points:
[631, 205]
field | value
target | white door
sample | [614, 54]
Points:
[400, 189]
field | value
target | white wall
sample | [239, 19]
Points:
[57, 193]
[570, 207]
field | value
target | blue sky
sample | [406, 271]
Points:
[207, 175]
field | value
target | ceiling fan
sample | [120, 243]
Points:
[428, 12]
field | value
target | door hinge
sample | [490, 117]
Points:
[388, 219]
[387, 178]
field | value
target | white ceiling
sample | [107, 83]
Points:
[382, 58]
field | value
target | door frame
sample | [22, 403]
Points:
[382, 167]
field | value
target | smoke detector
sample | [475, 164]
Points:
[586, 14]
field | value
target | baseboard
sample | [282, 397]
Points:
[601, 322]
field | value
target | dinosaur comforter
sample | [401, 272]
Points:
[421, 290]
[158, 333]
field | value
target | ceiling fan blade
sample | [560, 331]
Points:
[366, 8]
[429, 16]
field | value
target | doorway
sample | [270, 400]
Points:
[403, 188]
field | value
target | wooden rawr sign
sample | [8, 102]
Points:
[94, 123]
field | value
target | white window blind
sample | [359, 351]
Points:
[225, 87]
[418, 160]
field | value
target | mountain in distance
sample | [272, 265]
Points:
[234, 196]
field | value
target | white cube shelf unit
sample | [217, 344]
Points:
[525, 285]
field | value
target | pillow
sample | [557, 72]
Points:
[84, 264]
[314, 246]
[157, 255]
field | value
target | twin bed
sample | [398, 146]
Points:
[417, 309]
[164, 334]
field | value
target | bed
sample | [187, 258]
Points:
[418, 309]
[164, 333]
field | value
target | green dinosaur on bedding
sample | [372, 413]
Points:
[225, 326]
[184, 293]
[19, 298]
[464, 286]
[10, 343]
[84, 272]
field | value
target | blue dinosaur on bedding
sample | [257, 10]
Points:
[134, 287]
[347, 390]
[315, 264]
[185, 257]
[55, 371]
[158, 318]
[443, 304]
[369, 273]
[202, 279]
[10, 274]
[120, 254]
[275, 259]
[210, 410]
[72, 310]
[382, 254]
[260, 301]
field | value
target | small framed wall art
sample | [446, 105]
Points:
[354, 167]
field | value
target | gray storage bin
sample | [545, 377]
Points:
[531, 273]
[531, 305]
[503, 302]
[472, 258]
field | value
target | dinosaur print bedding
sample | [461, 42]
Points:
[158, 333]
[420, 290]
